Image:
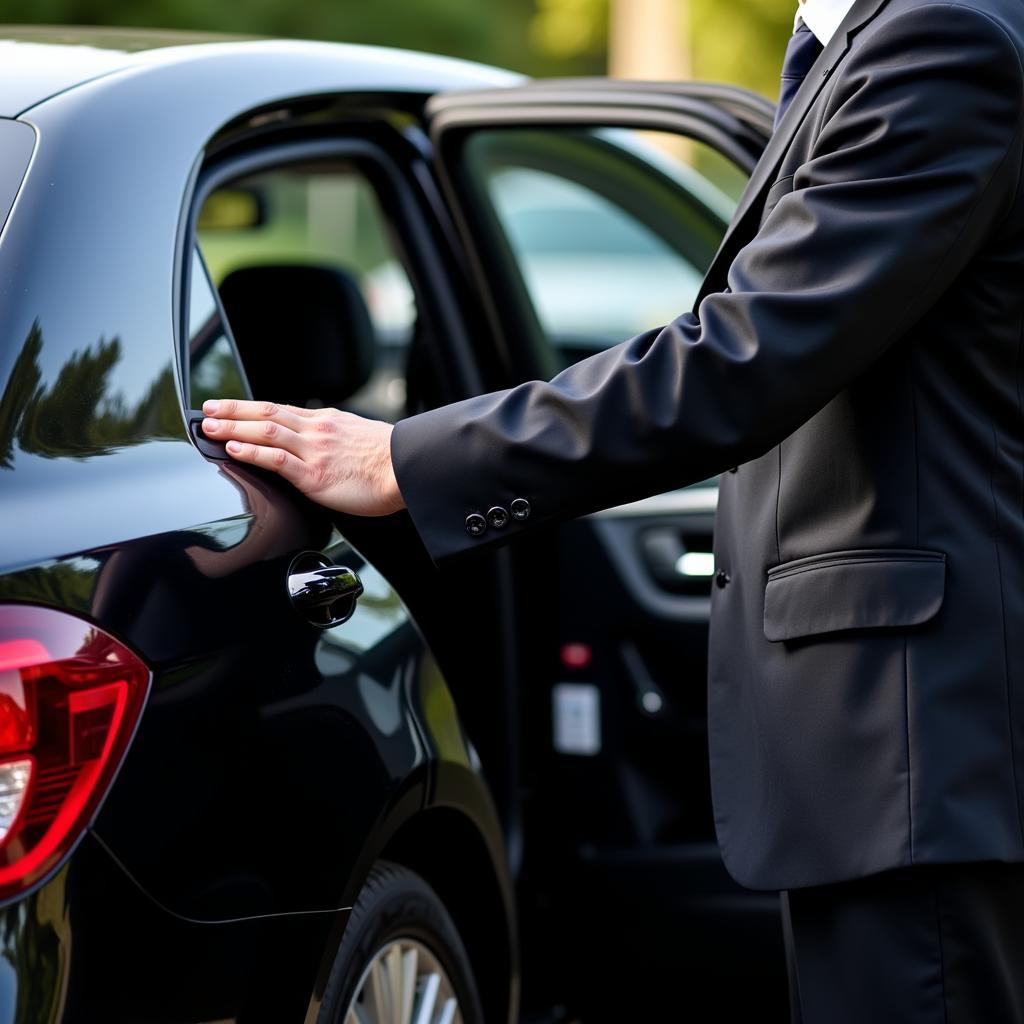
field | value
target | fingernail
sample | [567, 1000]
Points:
[234, 446]
[210, 424]
[211, 405]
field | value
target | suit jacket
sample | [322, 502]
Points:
[856, 352]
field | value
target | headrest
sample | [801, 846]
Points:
[304, 333]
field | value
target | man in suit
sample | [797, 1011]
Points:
[855, 355]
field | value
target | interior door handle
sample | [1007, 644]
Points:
[325, 596]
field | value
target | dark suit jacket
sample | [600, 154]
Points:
[856, 350]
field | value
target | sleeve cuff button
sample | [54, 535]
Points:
[475, 524]
[520, 509]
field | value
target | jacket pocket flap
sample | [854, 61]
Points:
[857, 589]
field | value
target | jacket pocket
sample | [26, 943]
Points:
[868, 588]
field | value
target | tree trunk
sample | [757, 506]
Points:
[649, 39]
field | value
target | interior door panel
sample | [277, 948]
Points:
[662, 549]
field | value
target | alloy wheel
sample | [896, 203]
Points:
[404, 984]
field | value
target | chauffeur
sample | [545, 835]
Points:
[856, 350]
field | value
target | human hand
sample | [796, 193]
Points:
[337, 459]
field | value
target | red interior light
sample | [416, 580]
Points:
[576, 655]
[70, 697]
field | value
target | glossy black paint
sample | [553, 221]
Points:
[274, 762]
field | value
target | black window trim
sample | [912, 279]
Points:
[219, 315]
[404, 215]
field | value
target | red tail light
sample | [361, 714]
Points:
[70, 696]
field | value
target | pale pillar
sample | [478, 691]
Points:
[649, 39]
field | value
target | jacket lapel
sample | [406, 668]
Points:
[744, 220]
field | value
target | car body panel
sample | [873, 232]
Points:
[273, 762]
[41, 62]
[90, 147]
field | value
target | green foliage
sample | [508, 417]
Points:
[496, 32]
[68, 583]
[568, 29]
[731, 40]
[23, 387]
[61, 417]
[77, 414]
[741, 41]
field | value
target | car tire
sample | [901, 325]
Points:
[399, 939]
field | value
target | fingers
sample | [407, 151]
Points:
[292, 468]
[266, 432]
[240, 409]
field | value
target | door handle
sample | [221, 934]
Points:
[679, 560]
[325, 596]
[210, 448]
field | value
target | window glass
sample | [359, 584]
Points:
[596, 275]
[348, 290]
[611, 229]
[214, 371]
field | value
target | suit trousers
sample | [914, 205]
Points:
[935, 944]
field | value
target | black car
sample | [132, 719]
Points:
[227, 717]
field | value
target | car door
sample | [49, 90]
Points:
[591, 210]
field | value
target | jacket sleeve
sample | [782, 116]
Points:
[913, 170]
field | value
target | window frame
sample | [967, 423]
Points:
[225, 326]
[405, 219]
[453, 118]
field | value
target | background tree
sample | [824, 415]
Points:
[739, 41]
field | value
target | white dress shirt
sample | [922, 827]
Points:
[822, 17]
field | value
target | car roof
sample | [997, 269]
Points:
[39, 62]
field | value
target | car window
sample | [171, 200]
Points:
[305, 251]
[214, 367]
[611, 230]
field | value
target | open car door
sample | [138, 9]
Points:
[590, 210]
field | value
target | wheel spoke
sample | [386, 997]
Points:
[410, 965]
[377, 1004]
[392, 966]
[404, 983]
[428, 999]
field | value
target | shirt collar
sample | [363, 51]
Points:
[823, 17]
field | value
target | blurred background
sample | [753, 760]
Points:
[739, 41]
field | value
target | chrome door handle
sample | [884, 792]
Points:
[325, 596]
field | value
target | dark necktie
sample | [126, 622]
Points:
[801, 53]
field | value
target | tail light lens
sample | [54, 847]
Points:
[70, 696]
